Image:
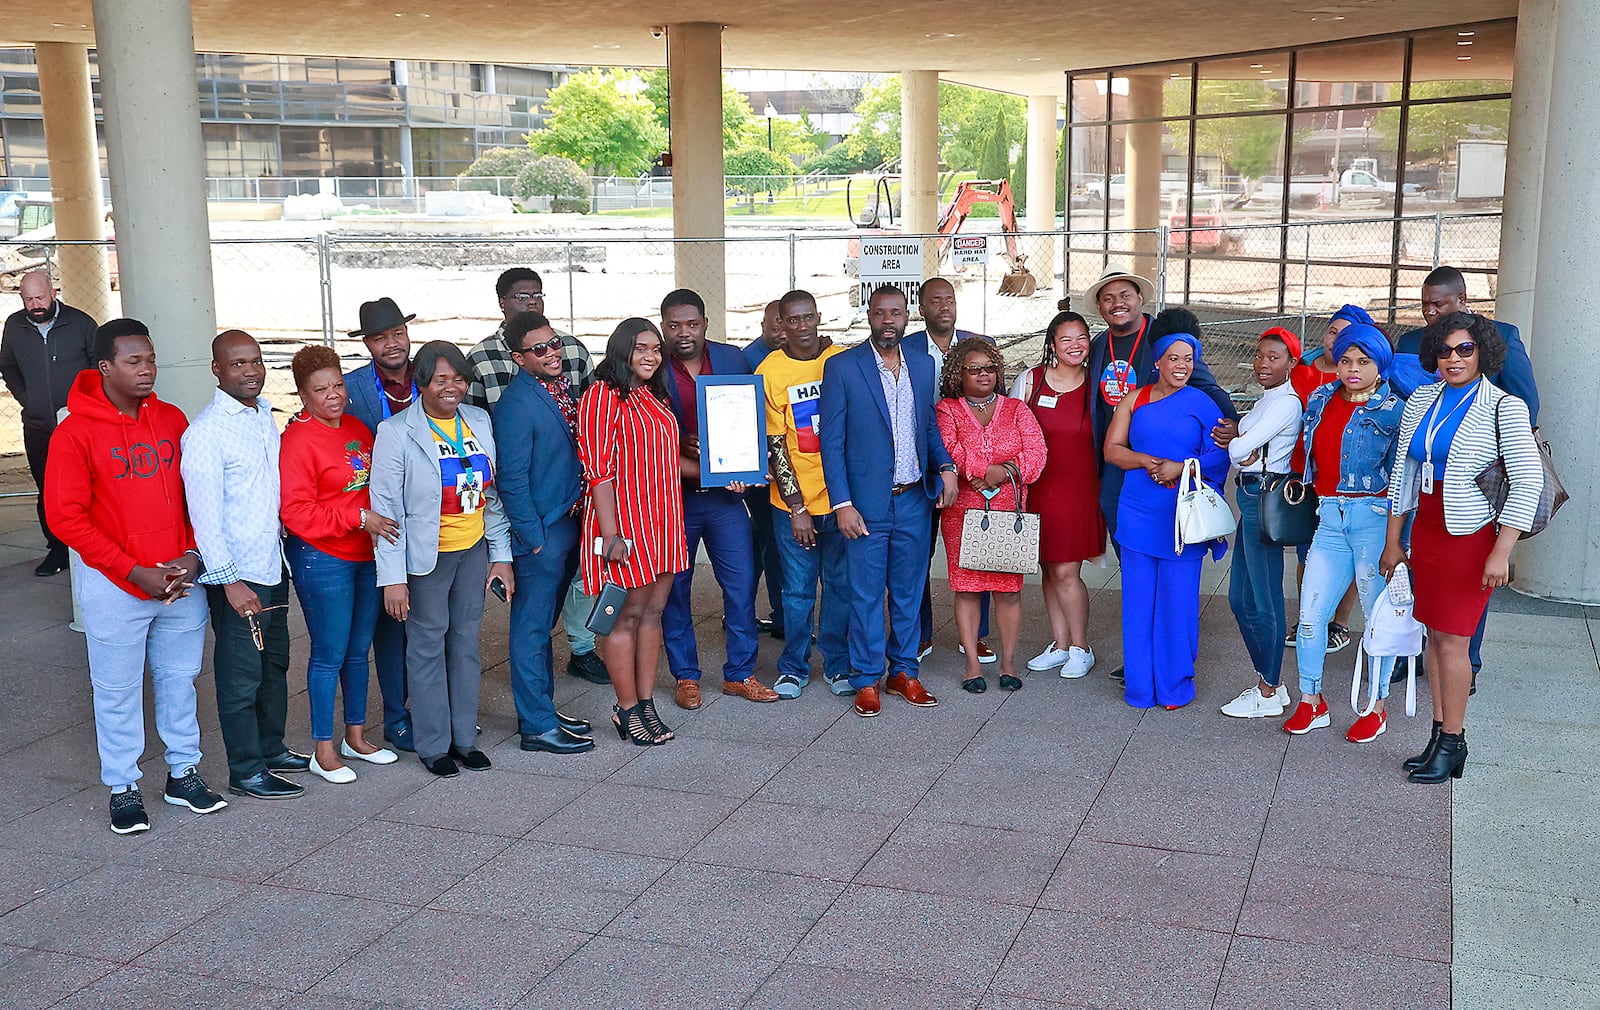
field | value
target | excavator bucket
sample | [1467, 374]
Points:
[1018, 281]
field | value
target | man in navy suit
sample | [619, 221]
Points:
[378, 390]
[541, 484]
[716, 515]
[885, 466]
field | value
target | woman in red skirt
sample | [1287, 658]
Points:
[1460, 549]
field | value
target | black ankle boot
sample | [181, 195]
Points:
[1427, 752]
[1449, 760]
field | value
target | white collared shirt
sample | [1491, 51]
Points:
[230, 479]
[1273, 422]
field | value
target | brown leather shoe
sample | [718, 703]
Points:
[688, 694]
[911, 689]
[985, 654]
[867, 701]
[750, 689]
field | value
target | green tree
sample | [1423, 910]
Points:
[1433, 130]
[492, 165]
[967, 118]
[752, 170]
[600, 123]
[738, 118]
[994, 158]
[561, 179]
[838, 160]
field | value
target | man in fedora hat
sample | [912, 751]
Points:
[378, 390]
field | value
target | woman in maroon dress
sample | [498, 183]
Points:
[993, 441]
[1066, 496]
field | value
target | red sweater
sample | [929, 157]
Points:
[322, 475]
[113, 491]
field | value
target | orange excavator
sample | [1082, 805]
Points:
[877, 217]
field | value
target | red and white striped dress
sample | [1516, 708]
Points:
[633, 442]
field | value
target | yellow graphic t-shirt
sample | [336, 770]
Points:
[463, 477]
[794, 391]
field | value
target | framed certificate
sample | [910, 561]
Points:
[732, 410]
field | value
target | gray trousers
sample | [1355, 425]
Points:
[442, 661]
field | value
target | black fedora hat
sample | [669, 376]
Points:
[380, 315]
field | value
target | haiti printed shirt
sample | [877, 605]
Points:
[464, 474]
[794, 390]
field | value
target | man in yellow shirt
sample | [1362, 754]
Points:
[807, 534]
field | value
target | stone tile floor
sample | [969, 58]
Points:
[1047, 848]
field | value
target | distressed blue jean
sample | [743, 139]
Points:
[1350, 537]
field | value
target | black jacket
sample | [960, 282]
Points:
[40, 370]
[1143, 367]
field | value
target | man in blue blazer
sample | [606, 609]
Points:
[541, 483]
[885, 466]
[378, 390]
[716, 515]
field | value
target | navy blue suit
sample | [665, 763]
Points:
[858, 468]
[540, 479]
[719, 518]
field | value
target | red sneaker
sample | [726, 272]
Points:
[1306, 718]
[1368, 728]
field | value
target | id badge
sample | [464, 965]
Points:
[470, 494]
[1047, 401]
[1427, 478]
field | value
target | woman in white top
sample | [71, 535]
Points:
[1262, 449]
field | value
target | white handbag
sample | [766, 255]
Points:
[1203, 515]
[1391, 631]
[1000, 540]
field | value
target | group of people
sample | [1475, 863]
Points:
[405, 489]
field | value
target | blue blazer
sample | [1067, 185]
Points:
[726, 359]
[539, 477]
[1515, 378]
[366, 403]
[857, 442]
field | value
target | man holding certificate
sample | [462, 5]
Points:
[714, 514]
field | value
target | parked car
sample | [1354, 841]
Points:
[1358, 184]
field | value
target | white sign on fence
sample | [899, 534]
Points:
[893, 261]
[970, 249]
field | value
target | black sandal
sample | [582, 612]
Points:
[1010, 683]
[659, 733]
[630, 726]
[977, 685]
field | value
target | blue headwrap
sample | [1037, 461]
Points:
[1370, 339]
[1353, 314]
[1162, 343]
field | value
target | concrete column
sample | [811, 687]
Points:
[1562, 562]
[694, 61]
[1142, 161]
[158, 186]
[1042, 175]
[919, 160]
[1519, 220]
[74, 155]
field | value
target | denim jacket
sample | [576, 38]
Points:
[1367, 451]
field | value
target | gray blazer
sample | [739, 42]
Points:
[405, 484]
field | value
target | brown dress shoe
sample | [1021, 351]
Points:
[911, 689]
[750, 689]
[867, 701]
[688, 694]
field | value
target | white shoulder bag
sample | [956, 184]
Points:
[1391, 631]
[1203, 515]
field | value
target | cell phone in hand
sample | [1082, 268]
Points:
[497, 586]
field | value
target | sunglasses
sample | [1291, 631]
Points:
[255, 625]
[525, 297]
[540, 350]
[981, 369]
[1463, 350]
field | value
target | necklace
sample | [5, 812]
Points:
[981, 404]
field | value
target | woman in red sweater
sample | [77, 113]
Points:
[323, 465]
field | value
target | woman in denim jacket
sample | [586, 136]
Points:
[1350, 430]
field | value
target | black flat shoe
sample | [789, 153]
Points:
[442, 766]
[977, 685]
[265, 786]
[472, 760]
[557, 741]
[1010, 683]
[289, 761]
[580, 727]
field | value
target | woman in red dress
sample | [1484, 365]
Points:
[994, 442]
[1066, 496]
[633, 517]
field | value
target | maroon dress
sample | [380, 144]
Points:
[1067, 495]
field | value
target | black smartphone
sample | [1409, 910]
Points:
[497, 586]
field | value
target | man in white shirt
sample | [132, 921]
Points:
[230, 474]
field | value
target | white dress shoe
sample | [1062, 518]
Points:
[338, 776]
[1049, 659]
[1079, 663]
[381, 756]
[1251, 705]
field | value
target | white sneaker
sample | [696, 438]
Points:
[1049, 659]
[1079, 663]
[1251, 705]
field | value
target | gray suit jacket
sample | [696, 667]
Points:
[405, 484]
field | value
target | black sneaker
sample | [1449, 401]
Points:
[127, 813]
[590, 667]
[191, 791]
[53, 563]
[472, 760]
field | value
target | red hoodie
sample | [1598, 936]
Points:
[113, 492]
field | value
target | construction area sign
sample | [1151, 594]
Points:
[893, 261]
[970, 249]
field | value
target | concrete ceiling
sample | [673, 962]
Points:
[1020, 46]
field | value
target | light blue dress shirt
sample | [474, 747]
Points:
[230, 479]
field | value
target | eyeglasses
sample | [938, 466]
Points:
[540, 350]
[991, 369]
[255, 625]
[1463, 350]
[525, 297]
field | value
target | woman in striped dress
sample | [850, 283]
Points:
[633, 533]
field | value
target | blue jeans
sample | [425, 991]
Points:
[123, 633]
[763, 529]
[802, 569]
[340, 600]
[543, 580]
[1350, 536]
[1255, 589]
[720, 519]
[890, 563]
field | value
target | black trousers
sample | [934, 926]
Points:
[36, 443]
[252, 689]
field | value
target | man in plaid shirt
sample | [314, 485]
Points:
[520, 290]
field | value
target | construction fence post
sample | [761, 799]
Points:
[1305, 281]
[1438, 236]
[325, 282]
[572, 302]
[791, 261]
[1161, 266]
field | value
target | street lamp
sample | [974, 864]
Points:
[769, 112]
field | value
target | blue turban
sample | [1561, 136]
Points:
[1353, 314]
[1370, 339]
[1167, 341]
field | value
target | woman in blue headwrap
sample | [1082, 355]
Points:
[1350, 429]
[1152, 433]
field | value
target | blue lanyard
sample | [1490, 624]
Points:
[459, 444]
[383, 397]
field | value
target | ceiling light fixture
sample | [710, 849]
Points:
[1463, 42]
[1463, 58]
[940, 35]
[1466, 35]
[606, 45]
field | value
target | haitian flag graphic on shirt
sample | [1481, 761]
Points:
[461, 495]
[803, 401]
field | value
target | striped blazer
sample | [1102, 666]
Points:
[1466, 510]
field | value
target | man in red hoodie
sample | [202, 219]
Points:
[114, 494]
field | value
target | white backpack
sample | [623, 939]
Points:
[1391, 631]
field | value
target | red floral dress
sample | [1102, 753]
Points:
[1011, 436]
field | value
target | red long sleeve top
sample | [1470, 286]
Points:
[322, 475]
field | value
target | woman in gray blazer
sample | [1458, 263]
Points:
[433, 468]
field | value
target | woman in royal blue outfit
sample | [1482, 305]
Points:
[1151, 435]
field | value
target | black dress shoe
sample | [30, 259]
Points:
[265, 786]
[590, 667]
[763, 625]
[53, 563]
[399, 736]
[442, 766]
[557, 741]
[580, 727]
[289, 761]
[473, 760]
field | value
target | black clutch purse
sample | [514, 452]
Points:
[1288, 511]
[603, 615]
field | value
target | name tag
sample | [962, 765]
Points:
[1047, 401]
[1427, 478]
